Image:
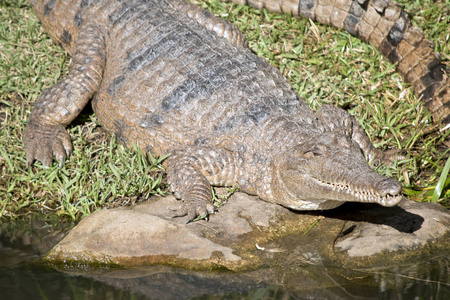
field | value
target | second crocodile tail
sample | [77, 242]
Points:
[384, 24]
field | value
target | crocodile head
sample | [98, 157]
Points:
[326, 170]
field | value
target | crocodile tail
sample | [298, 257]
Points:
[388, 28]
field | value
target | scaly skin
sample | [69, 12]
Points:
[178, 81]
[384, 24]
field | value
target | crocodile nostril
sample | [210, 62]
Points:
[389, 186]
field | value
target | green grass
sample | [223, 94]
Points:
[323, 64]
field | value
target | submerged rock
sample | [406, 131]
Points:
[248, 233]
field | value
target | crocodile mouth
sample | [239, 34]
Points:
[302, 191]
[360, 194]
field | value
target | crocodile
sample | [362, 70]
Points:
[175, 79]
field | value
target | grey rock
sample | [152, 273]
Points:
[427, 222]
[248, 233]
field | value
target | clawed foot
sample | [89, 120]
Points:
[42, 142]
[193, 209]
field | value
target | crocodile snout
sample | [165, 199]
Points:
[389, 187]
[390, 191]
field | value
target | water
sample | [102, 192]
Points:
[24, 276]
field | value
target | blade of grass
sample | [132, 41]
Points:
[441, 183]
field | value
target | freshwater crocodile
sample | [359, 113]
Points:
[175, 79]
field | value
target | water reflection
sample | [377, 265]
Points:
[32, 281]
[23, 276]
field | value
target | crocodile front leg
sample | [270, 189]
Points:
[192, 171]
[373, 155]
[45, 135]
[191, 186]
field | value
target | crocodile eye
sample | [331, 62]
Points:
[317, 150]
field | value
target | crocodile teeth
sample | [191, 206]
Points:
[363, 195]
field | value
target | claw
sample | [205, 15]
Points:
[178, 212]
[210, 208]
[42, 142]
[389, 157]
[67, 144]
[195, 210]
[191, 214]
[30, 157]
[46, 160]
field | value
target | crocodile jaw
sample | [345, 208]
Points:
[360, 195]
[315, 194]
